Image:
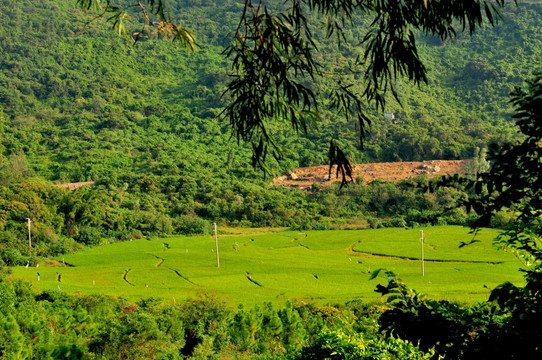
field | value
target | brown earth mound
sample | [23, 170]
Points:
[77, 185]
[303, 178]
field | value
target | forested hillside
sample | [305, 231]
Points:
[80, 103]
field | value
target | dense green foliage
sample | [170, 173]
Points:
[50, 325]
[67, 88]
[286, 69]
[507, 326]
[77, 104]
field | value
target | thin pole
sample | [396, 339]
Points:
[423, 269]
[29, 236]
[216, 243]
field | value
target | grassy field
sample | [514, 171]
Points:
[321, 266]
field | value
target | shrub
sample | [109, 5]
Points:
[191, 224]
[337, 345]
[374, 223]
[395, 222]
[88, 235]
[12, 257]
[64, 245]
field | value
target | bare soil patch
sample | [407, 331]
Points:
[304, 178]
[77, 185]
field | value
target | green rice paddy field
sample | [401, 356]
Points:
[320, 266]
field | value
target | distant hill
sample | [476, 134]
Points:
[77, 104]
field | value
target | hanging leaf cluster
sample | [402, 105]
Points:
[141, 18]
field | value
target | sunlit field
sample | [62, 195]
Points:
[320, 266]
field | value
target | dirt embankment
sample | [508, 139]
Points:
[303, 178]
[77, 185]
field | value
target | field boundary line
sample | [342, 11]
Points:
[430, 260]
[249, 278]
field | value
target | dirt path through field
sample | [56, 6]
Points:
[303, 178]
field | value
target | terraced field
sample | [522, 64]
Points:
[321, 266]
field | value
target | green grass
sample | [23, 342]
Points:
[321, 266]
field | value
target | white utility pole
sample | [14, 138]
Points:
[423, 269]
[29, 235]
[216, 243]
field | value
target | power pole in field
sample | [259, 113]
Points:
[216, 243]
[29, 236]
